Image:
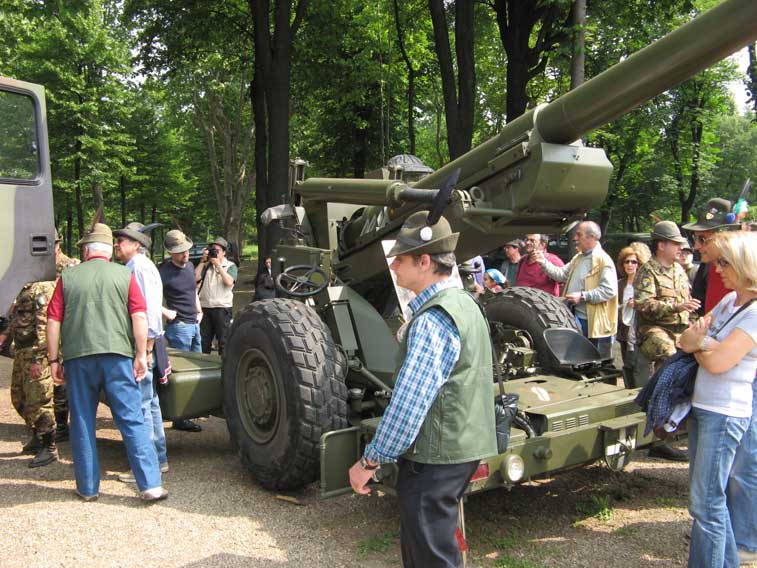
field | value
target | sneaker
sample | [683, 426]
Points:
[128, 477]
[87, 497]
[154, 494]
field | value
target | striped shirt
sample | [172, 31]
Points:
[433, 348]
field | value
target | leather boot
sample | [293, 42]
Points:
[61, 428]
[48, 454]
[33, 445]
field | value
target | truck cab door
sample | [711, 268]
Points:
[27, 230]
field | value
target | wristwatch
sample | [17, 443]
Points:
[365, 465]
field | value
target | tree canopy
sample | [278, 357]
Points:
[188, 113]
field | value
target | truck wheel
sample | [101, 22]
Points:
[534, 311]
[283, 383]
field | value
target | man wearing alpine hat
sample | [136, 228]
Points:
[445, 371]
[97, 320]
[708, 285]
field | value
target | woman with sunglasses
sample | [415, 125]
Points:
[629, 260]
[724, 343]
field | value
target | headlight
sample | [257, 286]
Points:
[512, 468]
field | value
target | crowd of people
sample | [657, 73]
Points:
[106, 326]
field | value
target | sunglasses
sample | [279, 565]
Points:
[629, 261]
[722, 263]
[702, 240]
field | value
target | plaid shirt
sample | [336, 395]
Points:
[433, 348]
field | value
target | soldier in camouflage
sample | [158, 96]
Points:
[41, 404]
[662, 294]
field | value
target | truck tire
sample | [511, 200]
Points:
[534, 311]
[283, 383]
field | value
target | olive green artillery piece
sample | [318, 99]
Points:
[308, 375]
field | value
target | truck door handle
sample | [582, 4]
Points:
[40, 245]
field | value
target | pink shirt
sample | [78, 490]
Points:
[531, 275]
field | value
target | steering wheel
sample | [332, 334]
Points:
[298, 281]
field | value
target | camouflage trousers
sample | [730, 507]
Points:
[657, 343]
[32, 399]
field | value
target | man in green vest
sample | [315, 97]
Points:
[96, 320]
[440, 421]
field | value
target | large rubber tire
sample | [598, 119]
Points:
[283, 383]
[534, 311]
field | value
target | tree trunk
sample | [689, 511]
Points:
[458, 95]
[410, 79]
[751, 78]
[270, 93]
[578, 59]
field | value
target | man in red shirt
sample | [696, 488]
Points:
[708, 285]
[96, 320]
[530, 272]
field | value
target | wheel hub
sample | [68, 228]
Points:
[258, 396]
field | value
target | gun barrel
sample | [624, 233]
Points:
[708, 38]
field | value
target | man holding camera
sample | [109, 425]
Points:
[215, 275]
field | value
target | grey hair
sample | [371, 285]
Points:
[99, 247]
[592, 229]
[445, 262]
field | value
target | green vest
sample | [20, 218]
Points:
[459, 426]
[96, 319]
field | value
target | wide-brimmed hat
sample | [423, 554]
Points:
[515, 243]
[100, 233]
[176, 242]
[134, 231]
[715, 216]
[221, 242]
[416, 237]
[687, 246]
[668, 231]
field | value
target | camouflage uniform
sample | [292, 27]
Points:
[32, 399]
[657, 290]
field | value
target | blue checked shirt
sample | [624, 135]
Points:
[433, 348]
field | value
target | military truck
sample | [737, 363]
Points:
[306, 377]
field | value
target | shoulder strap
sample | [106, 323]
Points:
[733, 315]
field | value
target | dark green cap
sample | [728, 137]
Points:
[715, 216]
[668, 231]
[417, 238]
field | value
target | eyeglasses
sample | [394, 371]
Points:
[722, 263]
[702, 240]
[630, 261]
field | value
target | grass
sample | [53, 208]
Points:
[515, 562]
[380, 543]
[250, 251]
[669, 502]
[599, 508]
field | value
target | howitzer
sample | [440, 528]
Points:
[307, 379]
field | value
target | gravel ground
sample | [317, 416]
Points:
[216, 516]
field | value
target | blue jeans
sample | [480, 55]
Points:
[85, 376]
[713, 441]
[603, 344]
[184, 336]
[153, 417]
[742, 488]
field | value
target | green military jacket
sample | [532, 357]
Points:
[28, 324]
[459, 426]
[657, 291]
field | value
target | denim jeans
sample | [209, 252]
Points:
[603, 344]
[184, 336]
[153, 417]
[85, 376]
[742, 488]
[713, 441]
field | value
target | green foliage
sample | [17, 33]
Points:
[598, 508]
[379, 544]
[509, 561]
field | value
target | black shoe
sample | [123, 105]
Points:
[666, 452]
[33, 445]
[48, 454]
[186, 425]
[61, 433]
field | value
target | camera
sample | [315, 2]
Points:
[212, 252]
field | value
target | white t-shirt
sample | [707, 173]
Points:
[729, 393]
